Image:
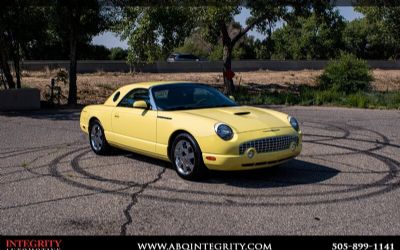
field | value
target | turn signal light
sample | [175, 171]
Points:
[211, 158]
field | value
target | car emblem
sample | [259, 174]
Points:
[293, 146]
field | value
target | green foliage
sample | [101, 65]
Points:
[384, 23]
[358, 100]
[307, 95]
[313, 37]
[325, 96]
[93, 52]
[118, 54]
[348, 74]
[196, 45]
[355, 37]
[153, 32]
[70, 20]
[263, 49]
[216, 53]
[245, 48]
[369, 39]
[211, 18]
[22, 25]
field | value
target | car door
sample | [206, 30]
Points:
[135, 128]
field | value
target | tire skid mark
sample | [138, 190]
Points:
[380, 183]
[21, 150]
[388, 182]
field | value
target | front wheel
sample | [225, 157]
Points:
[187, 158]
[97, 139]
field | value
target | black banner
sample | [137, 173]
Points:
[200, 242]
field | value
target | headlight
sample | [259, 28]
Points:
[294, 123]
[223, 131]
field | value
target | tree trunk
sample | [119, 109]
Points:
[17, 74]
[17, 67]
[7, 73]
[72, 95]
[227, 71]
[5, 66]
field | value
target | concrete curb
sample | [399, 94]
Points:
[20, 99]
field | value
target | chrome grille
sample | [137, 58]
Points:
[269, 144]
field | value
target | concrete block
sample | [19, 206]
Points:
[20, 99]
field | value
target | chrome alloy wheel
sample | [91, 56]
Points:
[184, 157]
[96, 137]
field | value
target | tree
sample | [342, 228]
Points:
[92, 52]
[153, 32]
[22, 25]
[196, 45]
[118, 54]
[263, 16]
[317, 36]
[368, 40]
[264, 48]
[216, 19]
[73, 22]
[355, 37]
[384, 21]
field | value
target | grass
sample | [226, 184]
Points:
[307, 96]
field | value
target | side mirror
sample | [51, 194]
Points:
[232, 98]
[140, 104]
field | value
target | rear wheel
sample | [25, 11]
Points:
[97, 139]
[187, 158]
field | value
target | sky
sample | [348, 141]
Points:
[111, 40]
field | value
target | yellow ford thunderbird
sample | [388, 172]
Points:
[192, 125]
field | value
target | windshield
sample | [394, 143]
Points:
[189, 96]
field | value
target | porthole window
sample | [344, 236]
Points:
[116, 96]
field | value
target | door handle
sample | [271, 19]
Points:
[116, 115]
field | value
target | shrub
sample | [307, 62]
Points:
[348, 74]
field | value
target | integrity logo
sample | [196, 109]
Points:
[23, 244]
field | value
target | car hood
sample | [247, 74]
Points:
[244, 118]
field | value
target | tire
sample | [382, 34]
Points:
[187, 158]
[97, 139]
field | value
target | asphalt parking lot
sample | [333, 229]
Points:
[346, 181]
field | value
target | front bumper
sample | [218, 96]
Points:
[241, 161]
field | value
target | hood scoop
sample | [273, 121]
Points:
[242, 113]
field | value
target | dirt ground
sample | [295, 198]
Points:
[96, 87]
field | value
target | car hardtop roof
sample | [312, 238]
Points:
[155, 83]
[179, 53]
[146, 85]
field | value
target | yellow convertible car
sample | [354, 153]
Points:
[192, 125]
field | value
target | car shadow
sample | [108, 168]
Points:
[294, 172]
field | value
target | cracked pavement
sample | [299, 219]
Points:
[346, 181]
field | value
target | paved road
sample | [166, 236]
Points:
[346, 181]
